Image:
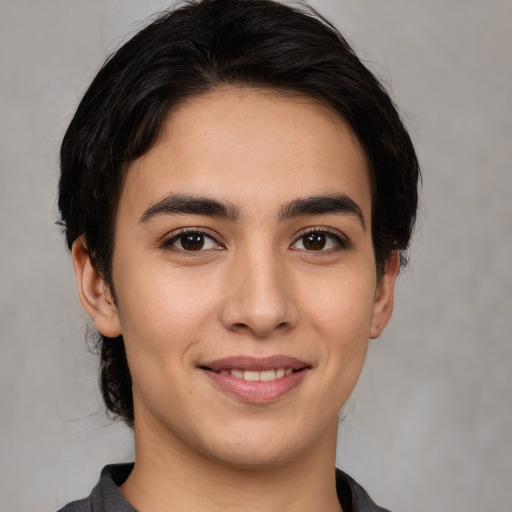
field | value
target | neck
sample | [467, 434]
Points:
[170, 475]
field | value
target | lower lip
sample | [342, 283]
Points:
[259, 391]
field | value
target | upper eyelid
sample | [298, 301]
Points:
[320, 229]
[173, 235]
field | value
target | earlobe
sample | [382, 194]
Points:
[383, 307]
[94, 293]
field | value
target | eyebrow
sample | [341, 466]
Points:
[322, 205]
[200, 205]
[192, 205]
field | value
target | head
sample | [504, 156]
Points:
[192, 52]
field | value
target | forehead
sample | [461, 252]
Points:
[254, 147]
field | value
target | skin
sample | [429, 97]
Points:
[255, 288]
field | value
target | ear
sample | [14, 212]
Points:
[383, 307]
[94, 293]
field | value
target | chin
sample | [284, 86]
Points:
[255, 457]
[263, 447]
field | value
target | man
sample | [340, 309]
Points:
[238, 192]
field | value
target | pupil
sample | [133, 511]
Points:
[315, 241]
[192, 241]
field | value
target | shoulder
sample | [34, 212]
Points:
[84, 505]
[353, 497]
[105, 497]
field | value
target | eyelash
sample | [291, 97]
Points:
[341, 242]
[171, 240]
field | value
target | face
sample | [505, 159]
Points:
[244, 276]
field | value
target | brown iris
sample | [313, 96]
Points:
[314, 241]
[192, 241]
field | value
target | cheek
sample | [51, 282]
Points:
[162, 322]
[341, 306]
[340, 313]
[162, 312]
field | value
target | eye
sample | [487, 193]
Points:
[192, 241]
[320, 240]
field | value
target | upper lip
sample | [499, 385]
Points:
[251, 363]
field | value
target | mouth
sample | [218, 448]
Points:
[252, 379]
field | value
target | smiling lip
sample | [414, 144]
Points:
[253, 379]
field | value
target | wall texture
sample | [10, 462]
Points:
[430, 422]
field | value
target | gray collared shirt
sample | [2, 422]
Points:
[106, 497]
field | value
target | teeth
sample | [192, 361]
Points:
[253, 376]
[239, 374]
[268, 375]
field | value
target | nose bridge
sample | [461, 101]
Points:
[259, 297]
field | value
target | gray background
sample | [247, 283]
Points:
[430, 423]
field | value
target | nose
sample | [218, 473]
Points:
[259, 298]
